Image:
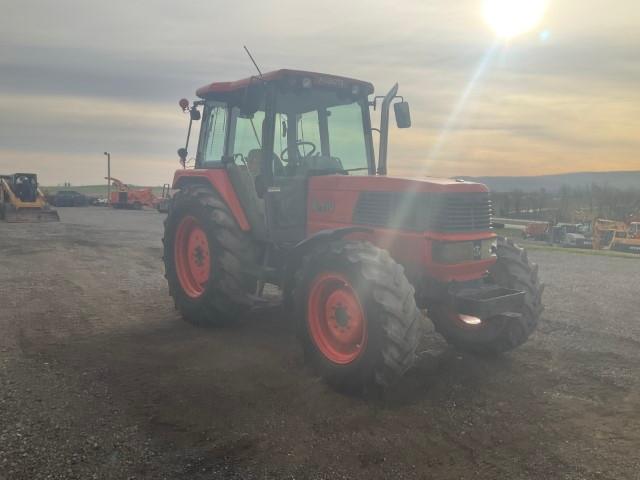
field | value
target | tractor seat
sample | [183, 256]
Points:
[253, 162]
[254, 157]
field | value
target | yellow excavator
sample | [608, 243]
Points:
[21, 200]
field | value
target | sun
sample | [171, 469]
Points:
[509, 18]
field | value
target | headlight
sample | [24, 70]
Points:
[460, 252]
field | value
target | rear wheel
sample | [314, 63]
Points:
[357, 315]
[207, 258]
[505, 332]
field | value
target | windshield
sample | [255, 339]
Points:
[316, 131]
[320, 132]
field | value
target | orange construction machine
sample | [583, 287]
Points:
[126, 197]
[536, 231]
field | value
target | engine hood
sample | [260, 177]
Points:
[394, 184]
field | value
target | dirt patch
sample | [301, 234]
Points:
[100, 378]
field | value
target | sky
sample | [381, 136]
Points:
[81, 77]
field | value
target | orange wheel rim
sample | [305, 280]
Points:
[336, 319]
[192, 257]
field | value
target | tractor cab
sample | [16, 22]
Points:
[24, 186]
[272, 133]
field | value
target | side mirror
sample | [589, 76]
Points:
[403, 115]
[182, 153]
[195, 114]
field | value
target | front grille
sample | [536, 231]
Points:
[463, 212]
[441, 212]
[385, 209]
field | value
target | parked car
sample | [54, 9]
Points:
[569, 235]
[69, 198]
[576, 240]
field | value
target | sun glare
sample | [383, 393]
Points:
[509, 18]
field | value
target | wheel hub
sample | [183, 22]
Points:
[192, 256]
[198, 256]
[342, 316]
[336, 319]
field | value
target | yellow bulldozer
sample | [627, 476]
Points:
[21, 200]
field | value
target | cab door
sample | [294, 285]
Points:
[286, 195]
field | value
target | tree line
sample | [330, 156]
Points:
[568, 204]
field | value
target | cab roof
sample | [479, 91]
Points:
[318, 79]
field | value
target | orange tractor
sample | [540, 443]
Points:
[126, 197]
[286, 191]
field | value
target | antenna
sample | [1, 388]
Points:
[254, 62]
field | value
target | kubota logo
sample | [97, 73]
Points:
[323, 206]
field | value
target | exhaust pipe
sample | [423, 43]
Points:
[384, 130]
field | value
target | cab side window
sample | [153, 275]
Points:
[212, 144]
[308, 131]
[247, 143]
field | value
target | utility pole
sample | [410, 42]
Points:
[108, 154]
[108, 176]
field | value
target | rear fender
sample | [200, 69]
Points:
[218, 179]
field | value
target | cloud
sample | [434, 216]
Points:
[63, 138]
[81, 77]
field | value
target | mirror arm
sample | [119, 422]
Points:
[194, 107]
[186, 144]
[374, 103]
[194, 114]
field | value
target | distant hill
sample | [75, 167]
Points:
[622, 180]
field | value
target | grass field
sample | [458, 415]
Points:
[94, 190]
[534, 245]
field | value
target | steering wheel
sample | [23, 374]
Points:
[299, 143]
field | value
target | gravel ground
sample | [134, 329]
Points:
[99, 378]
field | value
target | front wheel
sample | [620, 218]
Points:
[512, 270]
[357, 315]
